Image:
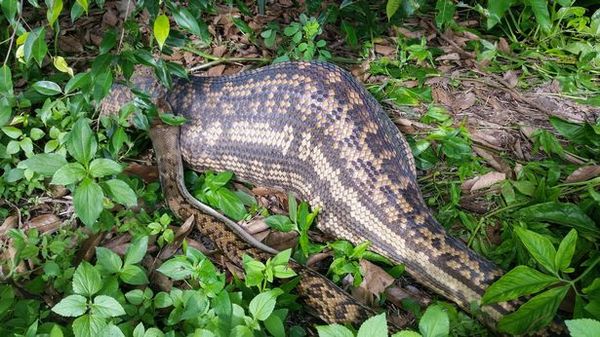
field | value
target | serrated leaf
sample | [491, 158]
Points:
[88, 326]
[87, 199]
[262, 305]
[565, 251]
[522, 280]
[106, 307]
[86, 280]
[120, 192]
[375, 326]
[112, 330]
[136, 250]
[583, 327]
[434, 322]
[176, 269]
[103, 167]
[109, 260]
[47, 88]
[132, 274]
[334, 330]
[68, 174]
[161, 29]
[45, 163]
[540, 248]
[280, 223]
[535, 314]
[71, 306]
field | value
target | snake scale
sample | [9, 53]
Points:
[312, 129]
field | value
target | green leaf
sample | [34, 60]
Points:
[54, 11]
[102, 85]
[47, 88]
[434, 322]
[136, 250]
[542, 15]
[230, 204]
[187, 21]
[334, 330]
[45, 164]
[135, 296]
[68, 174]
[88, 326]
[35, 46]
[171, 119]
[103, 167]
[106, 307]
[120, 192]
[497, 9]
[132, 274]
[87, 199]
[82, 143]
[522, 280]
[56, 331]
[71, 306]
[9, 8]
[83, 4]
[445, 12]
[392, 7]
[262, 305]
[280, 223]
[86, 280]
[161, 29]
[534, 314]
[109, 260]
[375, 326]
[6, 85]
[176, 269]
[407, 333]
[584, 327]
[80, 80]
[565, 251]
[540, 247]
[567, 214]
[111, 330]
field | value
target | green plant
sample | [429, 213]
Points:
[347, 260]
[126, 270]
[161, 226]
[303, 43]
[262, 275]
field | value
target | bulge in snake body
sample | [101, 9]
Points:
[312, 129]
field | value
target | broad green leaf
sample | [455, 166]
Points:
[135, 296]
[82, 143]
[540, 248]
[241, 331]
[161, 29]
[68, 174]
[136, 250]
[106, 307]
[86, 280]
[567, 214]
[139, 330]
[334, 330]
[583, 327]
[434, 322]
[187, 21]
[35, 46]
[176, 269]
[103, 167]
[6, 85]
[262, 305]
[392, 7]
[274, 323]
[565, 251]
[280, 223]
[375, 326]
[407, 333]
[230, 204]
[56, 331]
[54, 11]
[88, 326]
[445, 12]
[534, 314]
[71, 306]
[83, 4]
[9, 8]
[522, 280]
[87, 199]
[109, 40]
[12, 132]
[497, 9]
[80, 80]
[47, 88]
[5, 111]
[542, 15]
[45, 163]
[171, 119]
[102, 85]
[120, 192]
[111, 330]
[132, 274]
[109, 260]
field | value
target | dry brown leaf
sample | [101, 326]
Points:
[484, 181]
[464, 101]
[494, 161]
[45, 223]
[216, 70]
[375, 281]
[584, 173]
[255, 225]
[503, 46]
[385, 50]
[110, 18]
[146, 172]
[9, 223]
[219, 51]
[449, 57]
[70, 44]
[280, 240]
[511, 77]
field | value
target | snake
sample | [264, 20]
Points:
[312, 129]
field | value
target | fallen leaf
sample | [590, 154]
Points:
[503, 46]
[385, 50]
[484, 181]
[216, 70]
[146, 172]
[9, 223]
[464, 101]
[511, 77]
[449, 57]
[375, 282]
[584, 173]
[45, 223]
[219, 51]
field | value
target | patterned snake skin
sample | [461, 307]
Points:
[312, 129]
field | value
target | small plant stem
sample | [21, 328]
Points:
[589, 268]
[489, 215]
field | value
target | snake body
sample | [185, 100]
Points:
[311, 128]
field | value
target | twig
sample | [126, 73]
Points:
[123, 28]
